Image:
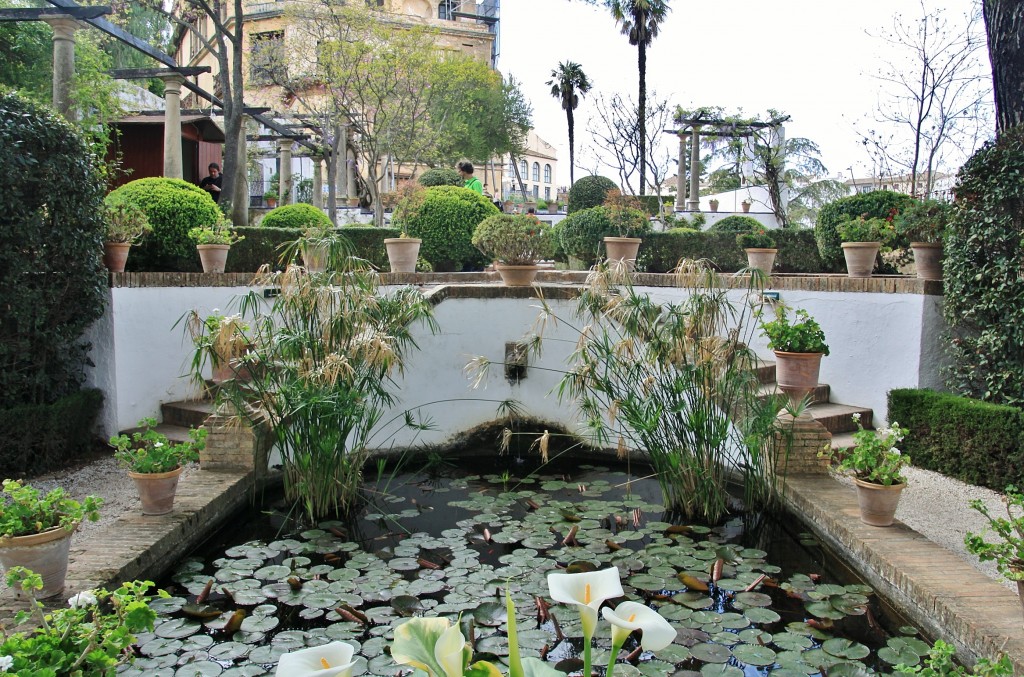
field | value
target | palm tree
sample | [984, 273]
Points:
[640, 20]
[568, 82]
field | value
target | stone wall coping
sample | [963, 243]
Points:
[880, 284]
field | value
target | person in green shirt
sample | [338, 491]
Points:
[466, 172]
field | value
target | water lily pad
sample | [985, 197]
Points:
[752, 599]
[720, 671]
[177, 628]
[161, 647]
[759, 615]
[256, 623]
[789, 641]
[711, 653]
[490, 614]
[229, 651]
[844, 648]
[754, 654]
[199, 669]
[406, 605]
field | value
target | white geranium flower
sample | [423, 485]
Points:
[6, 663]
[83, 599]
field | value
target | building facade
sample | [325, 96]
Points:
[538, 171]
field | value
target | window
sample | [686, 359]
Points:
[522, 170]
[547, 192]
[266, 65]
[547, 173]
[536, 191]
[446, 9]
[536, 171]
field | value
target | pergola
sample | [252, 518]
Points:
[690, 128]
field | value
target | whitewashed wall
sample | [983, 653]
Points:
[878, 341]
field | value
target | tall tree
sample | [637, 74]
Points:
[640, 20]
[568, 82]
[1004, 23]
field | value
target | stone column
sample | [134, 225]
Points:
[284, 147]
[350, 175]
[681, 174]
[318, 181]
[693, 204]
[172, 126]
[64, 28]
[343, 171]
[240, 203]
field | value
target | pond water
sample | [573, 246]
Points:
[746, 597]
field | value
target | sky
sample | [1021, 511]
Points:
[811, 59]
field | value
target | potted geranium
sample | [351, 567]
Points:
[714, 204]
[862, 238]
[760, 249]
[213, 243]
[876, 464]
[126, 225]
[924, 223]
[93, 635]
[1008, 553]
[155, 463]
[270, 198]
[746, 204]
[799, 344]
[515, 242]
[630, 222]
[36, 528]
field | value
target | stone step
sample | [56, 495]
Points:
[765, 371]
[838, 418]
[819, 394]
[174, 433]
[186, 413]
[842, 440]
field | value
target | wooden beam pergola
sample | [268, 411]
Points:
[43, 13]
[147, 73]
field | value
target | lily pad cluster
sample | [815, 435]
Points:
[734, 612]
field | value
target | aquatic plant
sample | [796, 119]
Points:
[321, 362]
[677, 381]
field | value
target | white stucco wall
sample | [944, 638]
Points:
[878, 341]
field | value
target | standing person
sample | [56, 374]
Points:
[212, 183]
[466, 172]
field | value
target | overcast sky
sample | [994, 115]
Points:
[812, 59]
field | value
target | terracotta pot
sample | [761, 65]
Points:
[746, 207]
[213, 256]
[714, 205]
[271, 202]
[860, 258]
[761, 258]
[115, 254]
[797, 373]
[623, 249]
[156, 490]
[46, 554]
[517, 276]
[233, 369]
[403, 252]
[353, 202]
[928, 259]
[877, 502]
[315, 258]
[553, 208]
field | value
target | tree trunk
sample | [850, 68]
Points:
[1004, 24]
[572, 156]
[642, 116]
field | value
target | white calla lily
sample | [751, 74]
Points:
[449, 652]
[328, 660]
[630, 616]
[587, 590]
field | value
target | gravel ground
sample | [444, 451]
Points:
[932, 504]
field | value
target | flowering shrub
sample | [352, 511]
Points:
[24, 510]
[759, 239]
[864, 229]
[875, 457]
[515, 240]
[88, 639]
[149, 451]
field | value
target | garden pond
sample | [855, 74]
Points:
[746, 597]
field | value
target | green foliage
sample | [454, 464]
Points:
[976, 442]
[582, 233]
[445, 221]
[515, 240]
[758, 239]
[90, 638]
[125, 222]
[735, 225]
[297, 216]
[874, 457]
[861, 229]
[649, 203]
[940, 664]
[52, 281]
[173, 207]
[26, 510]
[440, 176]
[1008, 553]
[38, 438]
[924, 220]
[798, 252]
[266, 246]
[802, 335]
[589, 191]
[881, 204]
[26, 57]
[218, 232]
[984, 274]
[149, 451]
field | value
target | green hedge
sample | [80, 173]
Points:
[876, 204]
[735, 224]
[445, 221]
[974, 441]
[261, 245]
[660, 252]
[588, 192]
[296, 216]
[36, 439]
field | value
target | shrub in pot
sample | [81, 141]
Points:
[876, 464]
[799, 344]
[444, 220]
[36, 528]
[403, 252]
[876, 204]
[213, 243]
[126, 225]
[515, 242]
[862, 237]
[923, 223]
[155, 463]
[1008, 551]
[629, 222]
[760, 249]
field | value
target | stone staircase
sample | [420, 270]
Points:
[178, 417]
[837, 418]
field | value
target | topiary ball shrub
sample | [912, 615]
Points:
[441, 176]
[445, 221]
[736, 225]
[984, 274]
[581, 233]
[173, 207]
[588, 192]
[300, 216]
[879, 204]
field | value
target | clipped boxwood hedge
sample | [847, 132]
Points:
[590, 191]
[441, 176]
[300, 215]
[660, 252]
[876, 204]
[445, 221]
[976, 442]
[735, 224]
[264, 245]
[39, 438]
